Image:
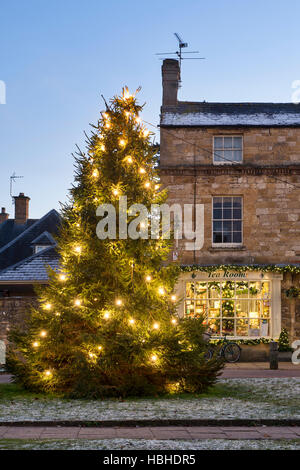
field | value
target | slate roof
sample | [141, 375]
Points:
[9, 230]
[205, 114]
[32, 269]
[44, 239]
[19, 248]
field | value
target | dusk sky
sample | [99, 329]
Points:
[58, 57]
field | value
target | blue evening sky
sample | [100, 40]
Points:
[57, 57]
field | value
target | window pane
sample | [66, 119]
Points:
[200, 308]
[217, 237]
[237, 143]
[227, 237]
[237, 156]
[237, 214]
[228, 327]
[214, 291]
[227, 202]
[214, 325]
[227, 226]
[228, 289]
[219, 156]
[228, 142]
[214, 308]
[217, 226]
[217, 202]
[228, 156]
[242, 290]
[237, 237]
[201, 290]
[237, 226]
[237, 202]
[218, 144]
[227, 213]
[217, 213]
[189, 308]
[242, 328]
[190, 289]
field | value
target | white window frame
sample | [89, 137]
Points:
[227, 162]
[226, 245]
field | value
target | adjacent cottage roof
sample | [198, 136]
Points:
[20, 247]
[231, 114]
[32, 269]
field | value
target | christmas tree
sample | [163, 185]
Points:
[284, 341]
[106, 324]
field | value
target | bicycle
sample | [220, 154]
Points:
[230, 350]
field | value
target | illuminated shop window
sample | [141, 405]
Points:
[234, 308]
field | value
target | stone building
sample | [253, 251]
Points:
[27, 248]
[241, 161]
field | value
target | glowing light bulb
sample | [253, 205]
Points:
[47, 373]
[99, 348]
[161, 291]
[156, 326]
[156, 186]
[77, 225]
[126, 95]
[129, 159]
[174, 321]
[145, 133]
[138, 120]
[173, 298]
[148, 278]
[78, 249]
[43, 333]
[106, 315]
[119, 302]
[122, 142]
[92, 355]
[95, 173]
[35, 344]
[105, 115]
[115, 192]
[142, 171]
[131, 321]
[147, 184]
[77, 302]
[107, 125]
[47, 306]
[153, 357]
[62, 277]
[103, 147]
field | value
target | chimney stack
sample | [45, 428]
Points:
[3, 215]
[170, 81]
[21, 208]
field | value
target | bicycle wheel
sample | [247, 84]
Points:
[232, 352]
[208, 354]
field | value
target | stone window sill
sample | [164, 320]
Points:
[227, 248]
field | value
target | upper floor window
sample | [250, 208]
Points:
[227, 220]
[228, 149]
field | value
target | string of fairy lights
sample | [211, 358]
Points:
[78, 249]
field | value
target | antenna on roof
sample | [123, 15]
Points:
[179, 53]
[13, 180]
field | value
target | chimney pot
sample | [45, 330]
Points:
[21, 208]
[170, 81]
[3, 215]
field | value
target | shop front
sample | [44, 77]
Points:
[238, 304]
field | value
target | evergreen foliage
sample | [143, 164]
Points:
[106, 324]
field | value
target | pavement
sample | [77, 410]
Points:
[151, 433]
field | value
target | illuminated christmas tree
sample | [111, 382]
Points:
[107, 324]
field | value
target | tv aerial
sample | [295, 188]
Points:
[13, 178]
[179, 53]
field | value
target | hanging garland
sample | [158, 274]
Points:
[237, 268]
